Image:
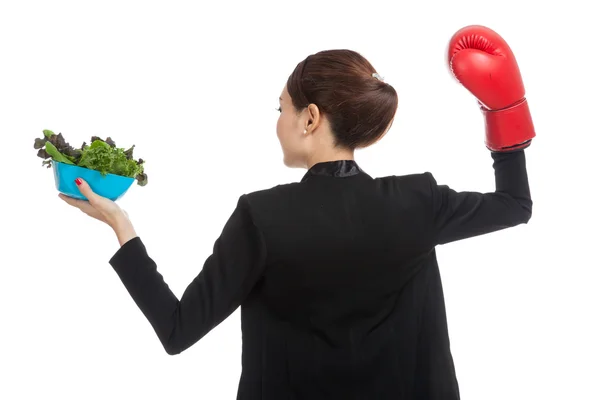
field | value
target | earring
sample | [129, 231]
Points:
[305, 131]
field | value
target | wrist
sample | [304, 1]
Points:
[510, 128]
[124, 230]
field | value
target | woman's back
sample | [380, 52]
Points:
[350, 286]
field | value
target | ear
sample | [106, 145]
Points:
[314, 116]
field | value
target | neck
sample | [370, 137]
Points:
[329, 156]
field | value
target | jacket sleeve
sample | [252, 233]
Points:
[461, 215]
[228, 276]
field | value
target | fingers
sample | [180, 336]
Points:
[81, 204]
[86, 190]
[70, 200]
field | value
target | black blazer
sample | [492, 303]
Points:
[337, 279]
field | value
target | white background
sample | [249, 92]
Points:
[195, 88]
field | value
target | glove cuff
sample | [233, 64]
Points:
[508, 129]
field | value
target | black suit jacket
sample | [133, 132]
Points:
[337, 280]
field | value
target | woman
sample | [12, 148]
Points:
[336, 275]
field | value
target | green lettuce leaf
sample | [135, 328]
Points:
[56, 155]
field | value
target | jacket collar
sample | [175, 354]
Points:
[335, 169]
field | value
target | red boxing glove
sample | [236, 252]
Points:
[484, 64]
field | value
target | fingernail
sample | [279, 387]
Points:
[78, 181]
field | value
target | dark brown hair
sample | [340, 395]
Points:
[340, 83]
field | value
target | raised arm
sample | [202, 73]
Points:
[484, 64]
[460, 215]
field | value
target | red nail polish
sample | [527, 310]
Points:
[78, 181]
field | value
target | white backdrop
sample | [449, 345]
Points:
[195, 88]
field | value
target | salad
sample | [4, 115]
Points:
[100, 155]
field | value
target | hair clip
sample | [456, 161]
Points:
[376, 75]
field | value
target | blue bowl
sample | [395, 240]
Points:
[110, 186]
